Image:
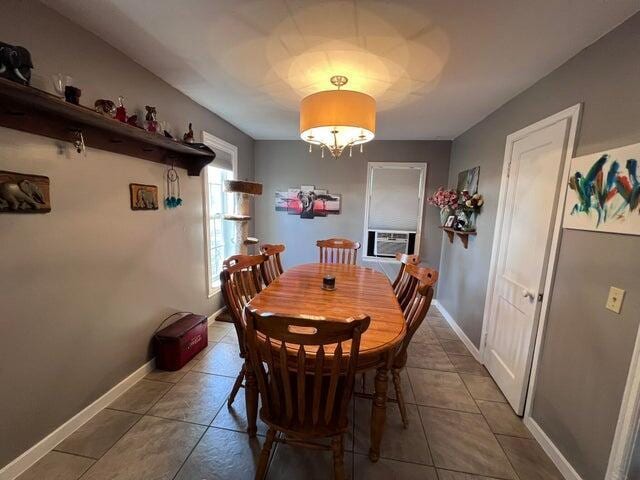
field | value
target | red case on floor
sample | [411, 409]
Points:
[181, 341]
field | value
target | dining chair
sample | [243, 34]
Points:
[417, 305]
[402, 285]
[240, 281]
[338, 250]
[272, 267]
[307, 385]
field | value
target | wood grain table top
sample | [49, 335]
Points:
[359, 290]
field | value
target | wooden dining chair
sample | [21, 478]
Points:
[402, 285]
[272, 267]
[417, 305]
[338, 250]
[307, 385]
[241, 280]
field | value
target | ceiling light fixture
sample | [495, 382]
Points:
[337, 119]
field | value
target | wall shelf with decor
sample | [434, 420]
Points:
[464, 236]
[35, 111]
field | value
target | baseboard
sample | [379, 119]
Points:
[44, 446]
[468, 343]
[567, 471]
[214, 315]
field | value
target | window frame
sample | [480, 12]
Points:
[371, 166]
[216, 144]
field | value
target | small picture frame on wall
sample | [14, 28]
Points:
[143, 197]
[24, 193]
[450, 221]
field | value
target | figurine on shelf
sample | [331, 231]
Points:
[121, 112]
[105, 107]
[152, 123]
[72, 94]
[15, 63]
[133, 121]
[188, 137]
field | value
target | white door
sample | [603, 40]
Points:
[530, 194]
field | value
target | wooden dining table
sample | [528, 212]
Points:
[358, 290]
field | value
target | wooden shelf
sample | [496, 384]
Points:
[464, 236]
[31, 110]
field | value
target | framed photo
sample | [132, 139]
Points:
[450, 221]
[143, 197]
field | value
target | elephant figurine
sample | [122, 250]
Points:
[24, 195]
[15, 63]
[146, 199]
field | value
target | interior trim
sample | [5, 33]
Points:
[456, 328]
[48, 443]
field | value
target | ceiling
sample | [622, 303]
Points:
[435, 67]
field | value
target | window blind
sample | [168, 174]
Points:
[394, 202]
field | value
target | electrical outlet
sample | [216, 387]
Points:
[614, 302]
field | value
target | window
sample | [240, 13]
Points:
[218, 232]
[394, 203]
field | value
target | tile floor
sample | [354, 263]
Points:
[176, 425]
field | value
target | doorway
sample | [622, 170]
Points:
[525, 245]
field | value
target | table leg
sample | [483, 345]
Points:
[378, 411]
[251, 399]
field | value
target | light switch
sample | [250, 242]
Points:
[614, 302]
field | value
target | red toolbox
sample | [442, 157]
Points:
[181, 341]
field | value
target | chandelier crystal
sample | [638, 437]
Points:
[337, 119]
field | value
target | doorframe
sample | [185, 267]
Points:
[573, 115]
[628, 425]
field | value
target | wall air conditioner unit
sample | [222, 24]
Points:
[389, 242]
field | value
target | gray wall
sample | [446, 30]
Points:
[586, 349]
[285, 164]
[84, 287]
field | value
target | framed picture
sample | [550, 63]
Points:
[24, 193]
[468, 180]
[604, 192]
[450, 221]
[143, 197]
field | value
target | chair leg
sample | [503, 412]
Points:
[236, 386]
[338, 458]
[399, 397]
[261, 471]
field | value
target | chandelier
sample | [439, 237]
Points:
[337, 119]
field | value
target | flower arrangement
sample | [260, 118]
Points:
[470, 203]
[443, 198]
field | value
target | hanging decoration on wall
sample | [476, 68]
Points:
[143, 197]
[604, 192]
[23, 193]
[172, 199]
[307, 202]
[468, 180]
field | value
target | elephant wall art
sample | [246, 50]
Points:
[15, 63]
[143, 197]
[22, 193]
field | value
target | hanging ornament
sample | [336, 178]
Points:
[173, 199]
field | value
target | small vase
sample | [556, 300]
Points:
[469, 221]
[445, 212]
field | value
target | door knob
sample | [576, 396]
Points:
[527, 294]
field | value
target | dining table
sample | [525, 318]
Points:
[358, 291]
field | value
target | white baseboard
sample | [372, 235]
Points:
[214, 315]
[44, 446]
[450, 320]
[567, 471]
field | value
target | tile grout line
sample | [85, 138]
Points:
[190, 453]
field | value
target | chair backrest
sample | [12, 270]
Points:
[240, 281]
[402, 283]
[272, 267]
[338, 250]
[305, 389]
[418, 299]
